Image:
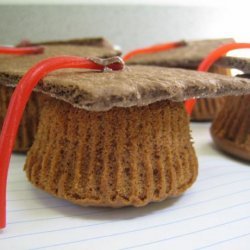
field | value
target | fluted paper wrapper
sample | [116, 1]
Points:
[121, 157]
[231, 128]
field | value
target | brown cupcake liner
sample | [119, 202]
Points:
[231, 128]
[29, 122]
[206, 109]
[124, 156]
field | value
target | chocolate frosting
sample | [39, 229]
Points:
[135, 85]
[188, 56]
[18, 65]
[242, 64]
[88, 41]
[244, 76]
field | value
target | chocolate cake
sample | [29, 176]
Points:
[16, 66]
[119, 138]
[231, 128]
[189, 56]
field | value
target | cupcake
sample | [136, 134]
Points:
[114, 138]
[188, 55]
[125, 140]
[231, 128]
[16, 66]
[119, 138]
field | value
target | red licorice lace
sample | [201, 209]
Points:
[153, 49]
[21, 50]
[210, 60]
[219, 52]
[19, 100]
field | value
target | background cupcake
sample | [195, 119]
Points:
[16, 66]
[231, 128]
[189, 55]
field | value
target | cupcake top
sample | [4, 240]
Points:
[18, 65]
[239, 63]
[132, 86]
[187, 56]
[88, 41]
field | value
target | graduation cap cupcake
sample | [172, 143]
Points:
[231, 128]
[112, 136]
[188, 55]
[14, 62]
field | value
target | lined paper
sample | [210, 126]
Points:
[213, 214]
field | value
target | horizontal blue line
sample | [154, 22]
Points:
[37, 208]
[168, 210]
[224, 241]
[214, 167]
[60, 217]
[220, 185]
[182, 235]
[72, 228]
[223, 174]
[33, 199]
[147, 228]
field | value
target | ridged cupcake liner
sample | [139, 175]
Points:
[231, 128]
[29, 122]
[206, 109]
[125, 156]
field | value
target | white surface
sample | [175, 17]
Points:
[213, 214]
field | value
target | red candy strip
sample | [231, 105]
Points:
[219, 52]
[210, 60]
[19, 100]
[21, 50]
[189, 105]
[153, 49]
